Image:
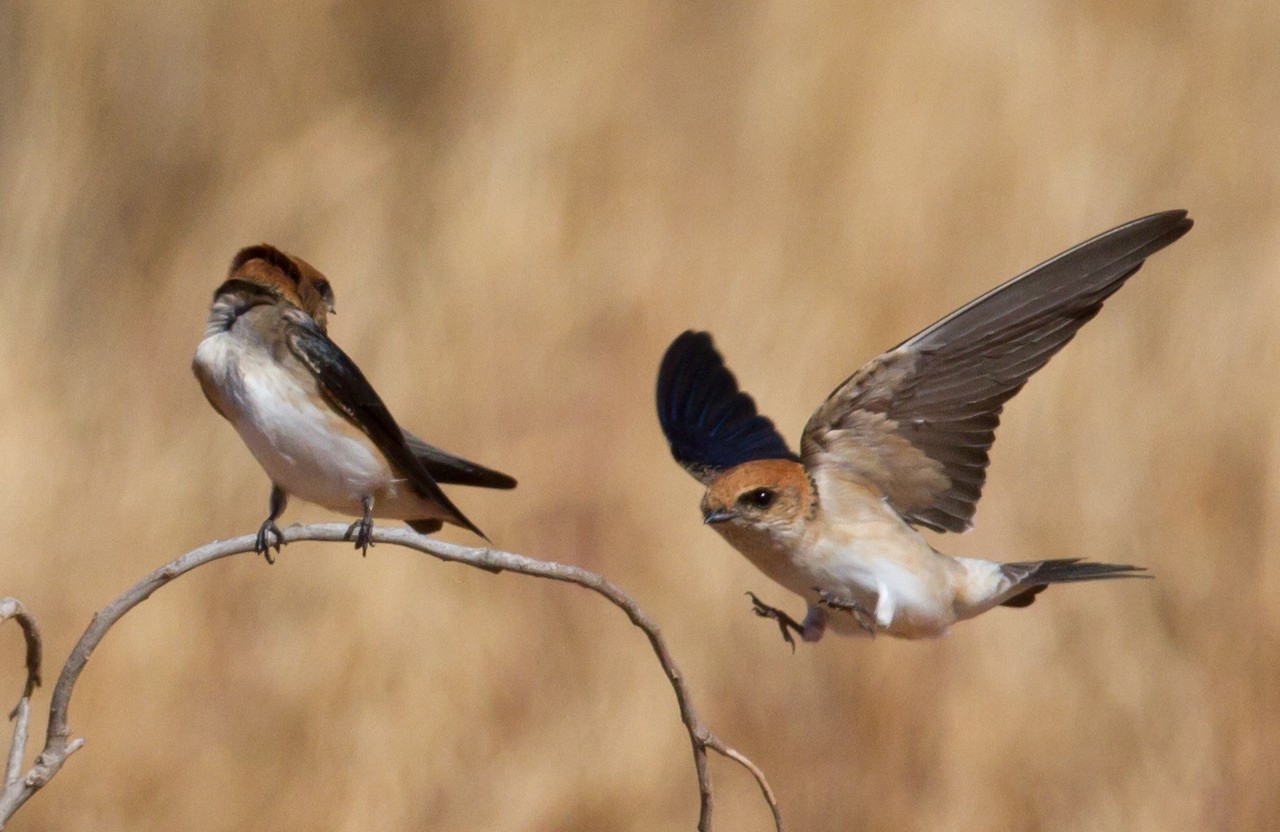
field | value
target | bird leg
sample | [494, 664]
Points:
[785, 622]
[262, 545]
[865, 619]
[362, 529]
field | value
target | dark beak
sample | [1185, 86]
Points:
[720, 516]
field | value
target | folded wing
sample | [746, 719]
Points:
[346, 388]
[918, 421]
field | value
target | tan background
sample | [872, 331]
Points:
[520, 205]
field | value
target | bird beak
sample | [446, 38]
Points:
[720, 516]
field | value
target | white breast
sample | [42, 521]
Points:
[883, 563]
[304, 446]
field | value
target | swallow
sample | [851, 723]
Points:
[308, 415]
[314, 295]
[898, 446]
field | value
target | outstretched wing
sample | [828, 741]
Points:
[346, 388]
[710, 424]
[917, 422]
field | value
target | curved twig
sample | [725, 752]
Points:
[21, 713]
[13, 608]
[59, 745]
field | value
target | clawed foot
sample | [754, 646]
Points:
[268, 529]
[263, 543]
[361, 532]
[866, 620]
[785, 622]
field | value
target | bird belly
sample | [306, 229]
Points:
[892, 573]
[306, 447]
[308, 455]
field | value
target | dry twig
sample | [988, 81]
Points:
[21, 713]
[58, 744]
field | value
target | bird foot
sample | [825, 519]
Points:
[865, 619]
[361, 532]
[263, 543]
[785, 622]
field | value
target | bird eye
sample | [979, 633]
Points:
[760, 498]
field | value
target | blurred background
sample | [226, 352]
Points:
[520, 205]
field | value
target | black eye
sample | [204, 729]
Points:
[760, 498]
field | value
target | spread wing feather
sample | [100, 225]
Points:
[709, 423]
[918, 421]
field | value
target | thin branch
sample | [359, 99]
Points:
[58, 745]
[21, 713]
[13, 608]
[714, 743]
[18, 748]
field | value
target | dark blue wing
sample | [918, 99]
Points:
[710, 424]
[346, 388]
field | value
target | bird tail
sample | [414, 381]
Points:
[1030, 578]
[446, 468]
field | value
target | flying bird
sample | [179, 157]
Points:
[308, 415]
[899, 445]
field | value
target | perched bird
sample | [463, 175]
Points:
[308, 414]
[898, 445]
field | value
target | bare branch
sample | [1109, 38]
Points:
[13, 608]
[21, 713]
[58, 745]
[715, 744]
[21, 716]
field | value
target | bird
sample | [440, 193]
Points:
[308, 414]
[899, 446]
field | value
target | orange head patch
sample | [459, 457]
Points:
[771, 491]
[292, 279]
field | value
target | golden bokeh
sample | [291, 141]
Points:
[520, 205]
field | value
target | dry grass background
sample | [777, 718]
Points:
[520, 205]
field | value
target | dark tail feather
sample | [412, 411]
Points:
[458, 518]
[1025, 599]
[425, 526]
[1036, 575]
[454, 470]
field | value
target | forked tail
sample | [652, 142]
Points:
[1030, 578]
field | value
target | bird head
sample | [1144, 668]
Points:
[768, 496]
[268, 271]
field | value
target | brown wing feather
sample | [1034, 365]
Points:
[918, 421]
